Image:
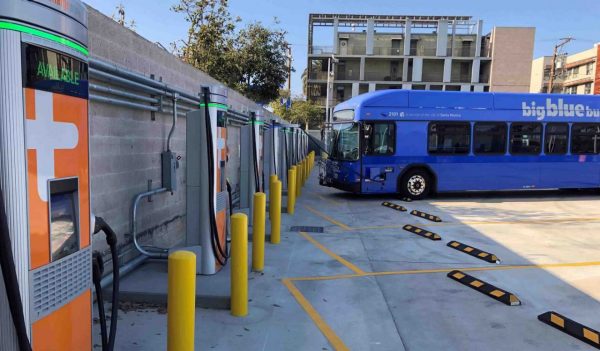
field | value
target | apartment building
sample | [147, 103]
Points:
[574, 74]
[364, 53]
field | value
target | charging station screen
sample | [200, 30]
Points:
[64, 237]
[55, 72]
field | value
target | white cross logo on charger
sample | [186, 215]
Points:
[45, 136]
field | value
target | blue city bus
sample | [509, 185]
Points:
[413, 143]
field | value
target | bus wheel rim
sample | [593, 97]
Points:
[416, 185]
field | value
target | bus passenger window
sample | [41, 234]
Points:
[452, 138]
[380, 138]
[489, 138]
[585, 138]
[557, 137]
[525, 138]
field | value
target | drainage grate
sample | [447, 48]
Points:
[307, 229]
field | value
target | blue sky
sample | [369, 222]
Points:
[553, 19]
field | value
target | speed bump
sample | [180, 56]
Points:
[393, 206]
[485, 288]
[422, 232]
[569, 326]
[482, 255]
[426, 216]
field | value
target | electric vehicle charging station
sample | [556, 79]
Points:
[251, 165]
[272, 161]
[207, 195]
[45, 175]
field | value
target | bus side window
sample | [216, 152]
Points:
[557, 138]
[525, 138]
[489, 138]
[585, 138]
[450, 138]
[380, 138]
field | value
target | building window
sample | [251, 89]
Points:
[589, 69]
[588, 88]
[525, 138]
[451, 138]
[380, 138]
[557, 137]
[585, 138]
[489, 138]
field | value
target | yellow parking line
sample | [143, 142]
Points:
[446, 270]
[331, 336]
[327, 218]
[346, 263]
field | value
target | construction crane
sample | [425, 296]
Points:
[563, 42]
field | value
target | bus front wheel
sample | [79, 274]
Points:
[415, 184]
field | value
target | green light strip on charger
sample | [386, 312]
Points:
[214, 104]
[38, 33]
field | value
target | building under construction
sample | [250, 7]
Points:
[365, 53]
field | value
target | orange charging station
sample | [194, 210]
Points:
[44, 170]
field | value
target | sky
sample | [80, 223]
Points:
[553, 19]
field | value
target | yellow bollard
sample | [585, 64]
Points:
[272, 181]
[258, 232]
[298, 180]
[276, 212]
[305, 177]
[181, 301]
[239, 265]
[291, 193]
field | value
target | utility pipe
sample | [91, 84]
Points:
[122, 93]
[161, 253]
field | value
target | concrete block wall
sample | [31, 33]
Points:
[125, 144]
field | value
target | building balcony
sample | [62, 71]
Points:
[321, 50]
[423, 51]
[318, 75]
[461, 51]
[387, 51]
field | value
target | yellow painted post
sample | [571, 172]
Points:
[258, 232]
[291, 193]
[272, 181]
[298, 180]
[276, 212]
[181, 301]
[305, 177]
[239, 265]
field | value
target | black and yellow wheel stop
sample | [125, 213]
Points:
[406, 199]
[485, 288]
[422, 232]
[482, 255]
[569, 326]
[426, 216]
[393, 206]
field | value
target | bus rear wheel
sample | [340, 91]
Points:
[415, 184]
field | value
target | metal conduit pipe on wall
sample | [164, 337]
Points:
[124, 103]
[140, 78]
[161, 253]
[122, 93]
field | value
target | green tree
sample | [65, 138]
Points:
[262, 61]
[210, 43]
[302, 112]
[252, 60]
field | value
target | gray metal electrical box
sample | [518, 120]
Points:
[169, 170]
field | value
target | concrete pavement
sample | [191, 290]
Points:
[366, 284]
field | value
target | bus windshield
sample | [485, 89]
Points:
[345, 142]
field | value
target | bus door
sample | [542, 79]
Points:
[378, 145]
